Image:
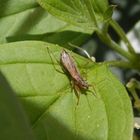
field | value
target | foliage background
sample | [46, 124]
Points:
[126, 13]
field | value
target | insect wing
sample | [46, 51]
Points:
[69, 64]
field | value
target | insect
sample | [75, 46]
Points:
[71, 69]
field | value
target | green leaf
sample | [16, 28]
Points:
[87, 14]
[108, 13]
[28, 21]
[51, 103]
[13, 122]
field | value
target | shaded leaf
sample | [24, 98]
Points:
[10, 7]
[63, 38]
[13, 122]
[108, 13]
[28, 21]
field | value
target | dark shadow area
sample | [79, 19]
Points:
[61, 38]
[13, 121]
[3, 7]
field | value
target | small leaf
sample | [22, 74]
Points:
[51, 103]
[13, 122]
[108, 13]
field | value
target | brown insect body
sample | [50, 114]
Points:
[70, 67]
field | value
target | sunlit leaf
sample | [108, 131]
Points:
[87, 14]
[103, 113]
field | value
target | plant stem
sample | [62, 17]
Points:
[122, 64]
[122, 35]
[135, 96]
[112, 44]
[132, 85]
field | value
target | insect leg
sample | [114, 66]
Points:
[76, 90]
[94, 93]
[49, 52]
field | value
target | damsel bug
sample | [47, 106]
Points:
[70, 67]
